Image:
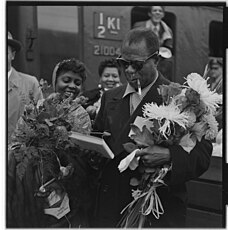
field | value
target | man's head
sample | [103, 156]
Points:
[139, 57]
[215, 68]
[156, 13]
[13, 47]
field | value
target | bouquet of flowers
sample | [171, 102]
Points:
[41, 142]
[186, 115]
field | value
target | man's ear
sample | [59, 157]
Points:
[13, 54]
[149, 14]
[157, 59]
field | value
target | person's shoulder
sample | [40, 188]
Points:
[27, 77]
[117, 91]
[92, 93]
[162, 79]
[139, 24]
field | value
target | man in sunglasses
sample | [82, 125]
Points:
[119, 109]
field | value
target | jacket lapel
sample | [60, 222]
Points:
[14, 80]
[119, 113]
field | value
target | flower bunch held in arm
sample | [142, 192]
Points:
[42, 135]
[186, 115]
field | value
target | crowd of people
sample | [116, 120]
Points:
[111, 107]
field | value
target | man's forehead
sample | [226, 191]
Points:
[138, 48]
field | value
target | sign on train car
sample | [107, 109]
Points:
[103, 32]
[109, 28]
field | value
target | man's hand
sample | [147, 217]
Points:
[154, 156]
[91, 110]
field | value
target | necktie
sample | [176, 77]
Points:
[156, 30]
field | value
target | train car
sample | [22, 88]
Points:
[51, 32]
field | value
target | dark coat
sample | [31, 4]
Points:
[93, 96]
[115, 191]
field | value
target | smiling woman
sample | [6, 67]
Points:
[68, 77]
[42, 173]
[109, 72]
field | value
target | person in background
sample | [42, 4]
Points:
[20, 85]
[119, 109]
[165, 36]
[109, 73]
[215, 74]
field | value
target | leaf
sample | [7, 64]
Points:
[48, 122]
[187, 142]
[134, 181]
[142, 138]
[43, 129]
[42, 116]
[21, 169]
[130, 147]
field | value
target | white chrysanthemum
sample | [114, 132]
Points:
[199, 84]
[167, 114]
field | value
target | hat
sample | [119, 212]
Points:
[165, 52]
[13, 43]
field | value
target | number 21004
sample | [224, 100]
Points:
[101, 50]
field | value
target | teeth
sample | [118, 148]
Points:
[68, 94]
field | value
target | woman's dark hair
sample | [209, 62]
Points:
[108, 63]
[73, 65]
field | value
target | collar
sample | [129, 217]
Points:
[13, 80]
[9, 72]
[130, 89]
[149, 24]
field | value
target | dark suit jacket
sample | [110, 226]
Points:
[115, 190]
[93, 96]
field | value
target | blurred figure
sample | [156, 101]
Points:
[109, 73]
[165, 36]
[20, 85]
[217, 145]
[214, 73]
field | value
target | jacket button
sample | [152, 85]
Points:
[105, 188]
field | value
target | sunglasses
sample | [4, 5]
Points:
[136, 64]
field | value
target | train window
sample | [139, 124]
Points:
[215, 39]
[140, 13]
[58, 31]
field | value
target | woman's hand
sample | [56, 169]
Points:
[154, 156]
